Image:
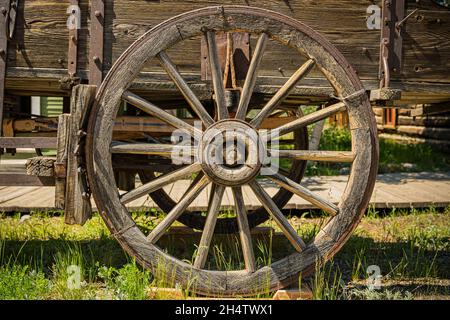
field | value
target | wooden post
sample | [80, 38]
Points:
[61, 160]
[3, 55]
[77, 203]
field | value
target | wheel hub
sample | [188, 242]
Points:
[230, 152]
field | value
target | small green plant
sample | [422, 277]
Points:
[70, 277]
[358, 264]
[367, 294]
[20, 283]
[127, 283]
[327, 282]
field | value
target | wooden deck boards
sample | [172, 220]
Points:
[399, 190]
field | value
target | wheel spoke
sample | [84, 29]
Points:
[278, 216]
[177, 211]
[326, 156]
[188, 94]
[216, 74]
[159, 183]
[165, 150]
[306, 120]
[215, 200]
[244, 229]
[252, 75]
[301, 191]
[153, 110]
[283, 92]
[194, 182]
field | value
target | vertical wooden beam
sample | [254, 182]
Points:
[4, 13]
[77, 203]
[61, 160]
[391, 47]
[96, 42]
[73, 40]
[234, 56]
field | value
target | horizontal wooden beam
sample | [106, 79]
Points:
[151, 124]
[22, 180]
[431, 109]
[28, 142]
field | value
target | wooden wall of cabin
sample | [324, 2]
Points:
[420, 124]
[37, 57]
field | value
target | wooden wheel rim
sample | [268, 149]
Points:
[285, 30]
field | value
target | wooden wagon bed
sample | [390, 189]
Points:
[39, 59]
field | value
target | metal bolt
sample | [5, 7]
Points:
[97, 13]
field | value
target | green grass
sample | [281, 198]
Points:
[38, 256]
[394, 156]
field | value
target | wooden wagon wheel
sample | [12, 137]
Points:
[229, 225]
[345, 216]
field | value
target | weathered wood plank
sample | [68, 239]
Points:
[41, 166]
[426, 132]
[25, 180]
[61, 160]
[41, 22]
[430, 109]
[25, 142]
[389, 192]
[77, 204]
[432, 121]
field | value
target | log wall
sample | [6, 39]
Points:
[431, 128]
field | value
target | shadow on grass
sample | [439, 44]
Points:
[399, 260]
[40, 254]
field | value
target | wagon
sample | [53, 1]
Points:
[225, 79]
